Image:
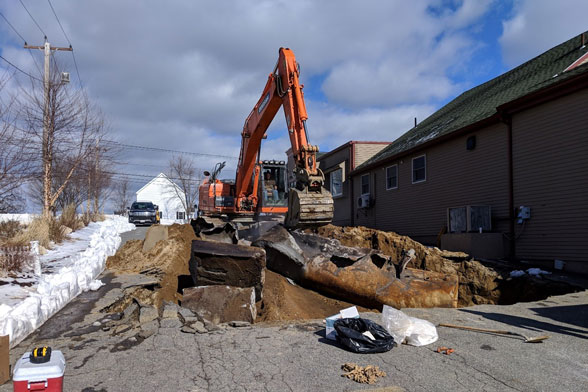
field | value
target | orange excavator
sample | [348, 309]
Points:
[262, 187]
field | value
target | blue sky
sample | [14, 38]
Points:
[184, 75]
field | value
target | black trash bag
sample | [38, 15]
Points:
[350, 334]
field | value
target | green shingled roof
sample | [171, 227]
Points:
[481, 102]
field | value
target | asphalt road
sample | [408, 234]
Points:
[137, 234]
[297, 357]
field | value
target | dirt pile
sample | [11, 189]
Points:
[284, 301]
[478, 284]
[168, 261]
[165, 261]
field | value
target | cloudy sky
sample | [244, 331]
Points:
[184, 75]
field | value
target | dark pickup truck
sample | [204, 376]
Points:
[143, 212]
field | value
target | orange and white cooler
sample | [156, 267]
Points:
[48, 376]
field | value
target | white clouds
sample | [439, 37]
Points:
[185, 75]
[538, 25]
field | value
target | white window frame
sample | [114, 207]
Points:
[368, 183]
[412, 171]
[182, 214]
[390, 167]
[331, 182]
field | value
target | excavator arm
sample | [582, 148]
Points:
[309, 204]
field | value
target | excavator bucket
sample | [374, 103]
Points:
[309, 209]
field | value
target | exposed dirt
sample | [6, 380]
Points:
[167, 260]
[478, 283]
[283, 301]
[167, 263]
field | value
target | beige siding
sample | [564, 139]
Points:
[550, 149]
[364, 151]
[454, 177]
[342, 210]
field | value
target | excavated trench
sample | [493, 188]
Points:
[479, 282]
[166, 264]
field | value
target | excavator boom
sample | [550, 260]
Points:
[309, 203]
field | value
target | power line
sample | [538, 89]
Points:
[40, 29]
[58, 21]
[10, 24]
[68, 40]
[168, 150]
[24, 40]
[26, 73]
[148, 176]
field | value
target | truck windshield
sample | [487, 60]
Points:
[142, 206]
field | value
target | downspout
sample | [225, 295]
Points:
[351, 168]
[507, 119]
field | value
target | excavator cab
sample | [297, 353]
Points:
[274, 185]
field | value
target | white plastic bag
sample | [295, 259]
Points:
[409, 330]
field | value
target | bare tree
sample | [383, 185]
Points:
[15, 160]
[121, 194]
[99, 174]
[65, 126]
[75, 193]
[185, 179]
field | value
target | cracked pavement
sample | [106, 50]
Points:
[296, 357]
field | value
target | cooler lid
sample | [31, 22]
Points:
[24, 370]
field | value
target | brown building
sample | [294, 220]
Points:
[337, 164]
[517, 144]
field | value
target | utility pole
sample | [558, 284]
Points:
[47, 152]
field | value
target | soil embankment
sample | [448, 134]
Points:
[167, 263]
[479, 283]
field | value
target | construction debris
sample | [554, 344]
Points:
[364, 375]
[218, 263]
[348, 266]
[221, 304]
[445, 350]
[164, 262]
[361, 276]
[479, 283]
[153, 236]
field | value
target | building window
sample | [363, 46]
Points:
[336, 179]
[392, 177]
[180, 215]
[419, 169]
[365, 184]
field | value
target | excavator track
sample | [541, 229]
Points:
[308, 209]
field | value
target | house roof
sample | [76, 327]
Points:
[323, 155]
[159, 176]
[481, 102]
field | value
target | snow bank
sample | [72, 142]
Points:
[22, 218]
[530, 271]
[72, 275]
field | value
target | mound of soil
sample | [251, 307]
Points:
[283, 301]
[478, 284]
[166, 261]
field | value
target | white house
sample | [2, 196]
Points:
[166, 194]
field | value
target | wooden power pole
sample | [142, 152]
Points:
[47, 153]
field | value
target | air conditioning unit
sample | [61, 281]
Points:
[479, 218]
[363, 201]
[457, 220]
[469, 219]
